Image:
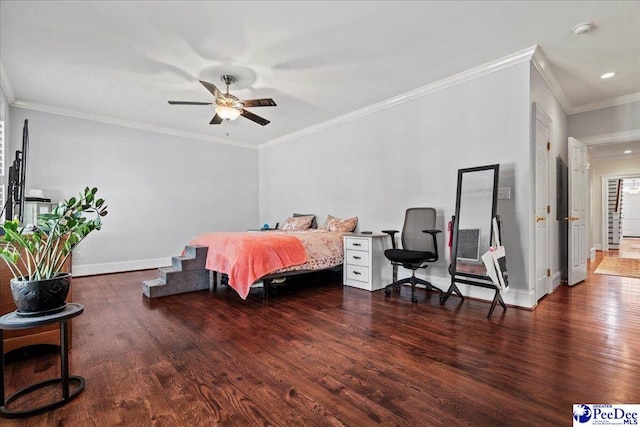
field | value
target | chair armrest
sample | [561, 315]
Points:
[432, 232]
[391, 234]
[435, 241]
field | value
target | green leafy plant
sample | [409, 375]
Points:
[40, 253]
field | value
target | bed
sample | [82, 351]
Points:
[246, 257]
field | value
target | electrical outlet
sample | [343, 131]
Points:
[77, 254]
[504, 193]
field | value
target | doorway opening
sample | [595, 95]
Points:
[620, 210]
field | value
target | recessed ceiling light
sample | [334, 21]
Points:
[607, 75]
[582, 28]
[627, 151]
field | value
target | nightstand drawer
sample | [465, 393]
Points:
[357, 244]
[358, 273]
[365, 266]
[357, 257]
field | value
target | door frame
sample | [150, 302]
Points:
[604, 190]
[540, 115]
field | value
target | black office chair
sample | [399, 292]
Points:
[419, 249]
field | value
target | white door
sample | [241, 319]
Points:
[543, 124]
[578, 189]
[631, 208]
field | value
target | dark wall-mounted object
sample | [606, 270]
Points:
[472, 229]
[14, 206]
[562, 189]
[562, 211]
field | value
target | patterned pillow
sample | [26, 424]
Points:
[340, 225]
[299, 223]
[314, 224]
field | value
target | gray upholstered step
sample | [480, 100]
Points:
[194, 258]
[173, 282]
[153, 288]
[187, 274]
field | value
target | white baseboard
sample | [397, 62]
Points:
[556, 281]
[592, 253]
[118, 267]
[598, 246]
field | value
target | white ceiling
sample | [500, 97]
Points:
[318, 60]
[616, 151]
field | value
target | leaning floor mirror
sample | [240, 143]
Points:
[472, 229]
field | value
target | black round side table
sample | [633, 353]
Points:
[15, 321]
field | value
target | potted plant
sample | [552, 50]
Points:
[35, 256]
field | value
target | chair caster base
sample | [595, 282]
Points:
[387, 291]
[414, 299]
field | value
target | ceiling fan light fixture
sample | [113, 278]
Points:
[227, 113]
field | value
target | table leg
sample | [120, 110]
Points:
[64, 359]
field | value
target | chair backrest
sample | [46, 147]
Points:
[416, 220]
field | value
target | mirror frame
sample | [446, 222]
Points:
[456, 219]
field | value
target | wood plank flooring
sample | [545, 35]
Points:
[320, 354]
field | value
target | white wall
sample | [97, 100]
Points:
[542, 95]
[4, 109]
[408, 155]
[4, 115]
[161, 190]
[608, 120]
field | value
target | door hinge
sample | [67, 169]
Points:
[548, 272]
[548, 146]
[548, 209]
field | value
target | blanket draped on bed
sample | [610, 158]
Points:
[245, 257]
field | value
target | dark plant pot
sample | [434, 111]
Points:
[40, 297]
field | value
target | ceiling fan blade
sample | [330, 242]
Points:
[216, 120]
[264, 102]
[212, 88]
[259, 120]
[188, 103]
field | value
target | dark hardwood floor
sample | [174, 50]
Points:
[322, 354]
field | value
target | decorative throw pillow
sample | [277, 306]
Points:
[340, 225]
[314, 224]
[299, 223]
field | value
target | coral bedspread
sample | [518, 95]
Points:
[246, 256]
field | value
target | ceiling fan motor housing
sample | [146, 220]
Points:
[228, 79]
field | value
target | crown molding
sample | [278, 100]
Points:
[619, 100]
[597, 158]
[612, 138]
[473, 73]
[6, 86]
[126, 123]
[542, 65]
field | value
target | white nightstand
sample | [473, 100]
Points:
[365, 266]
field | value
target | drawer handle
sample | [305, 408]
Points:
[357, 272]
[357, 257]
[357, 244]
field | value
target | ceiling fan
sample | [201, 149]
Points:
[229, 107]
